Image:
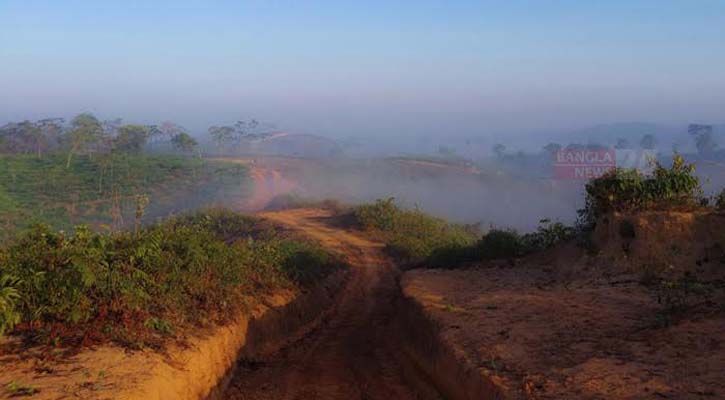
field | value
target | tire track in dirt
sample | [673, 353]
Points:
[351, 355]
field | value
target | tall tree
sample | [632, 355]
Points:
[221, 135]
[85, 130]
[131, 139]
[52, 129]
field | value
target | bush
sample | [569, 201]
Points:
[507, 243]
[135, 288]
[720, 201]
[383, 215]
[547, 235]
[499, 243]
[679, 295]
[629, 190]
[413, 237]
[9, 296]
[294, 200]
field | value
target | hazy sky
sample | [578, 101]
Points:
[366, 67]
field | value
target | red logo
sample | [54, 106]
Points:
[583, 164]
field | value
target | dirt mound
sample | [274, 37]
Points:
[658, 239]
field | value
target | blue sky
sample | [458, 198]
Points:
[367, 67]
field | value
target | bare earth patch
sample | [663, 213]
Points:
[537, 339]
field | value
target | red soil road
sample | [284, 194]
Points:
[268, 181]
[351, 355]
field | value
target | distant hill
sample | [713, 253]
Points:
[297, 145]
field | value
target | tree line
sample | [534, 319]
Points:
[86, 134]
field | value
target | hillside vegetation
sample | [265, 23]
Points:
[139, 289]
[100, 191]
[417, 239]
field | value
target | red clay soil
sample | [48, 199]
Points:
[352, 354]
[269, 178]
[537, 338]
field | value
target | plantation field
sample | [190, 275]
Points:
[103, 191]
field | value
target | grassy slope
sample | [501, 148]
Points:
[43, 190]
[139, 289]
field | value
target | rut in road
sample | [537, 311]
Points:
[352, 354]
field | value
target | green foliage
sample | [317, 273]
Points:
[500, 243]
[720, 200]
[184, 142]
[17, 389]
[547, 235]
[42, 190]
[295, 200]
[132, 287]
[413, 237]
[629, 190]
[9, 296]
[85, 129]
[383, 215]
[131, 138]
[507, 243]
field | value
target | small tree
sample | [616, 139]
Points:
[85, 129]
[131, 139]
[221, 135]
[184, 142]
[52, 130]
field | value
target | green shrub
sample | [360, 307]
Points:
[546, 236]
[507, 243]
[413, 237]
[130, 287]
[9, 296]
[720, 200]
[500, 243]
[382, 215]
[677, 296]
[294, 200]
[629, 190]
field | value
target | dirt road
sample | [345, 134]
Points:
[351, 355]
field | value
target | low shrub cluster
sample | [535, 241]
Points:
[413, 237]
[295, 200]
[507, 243]
[630, 190]
[678, 295]
[720, 200]
[139, 288]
